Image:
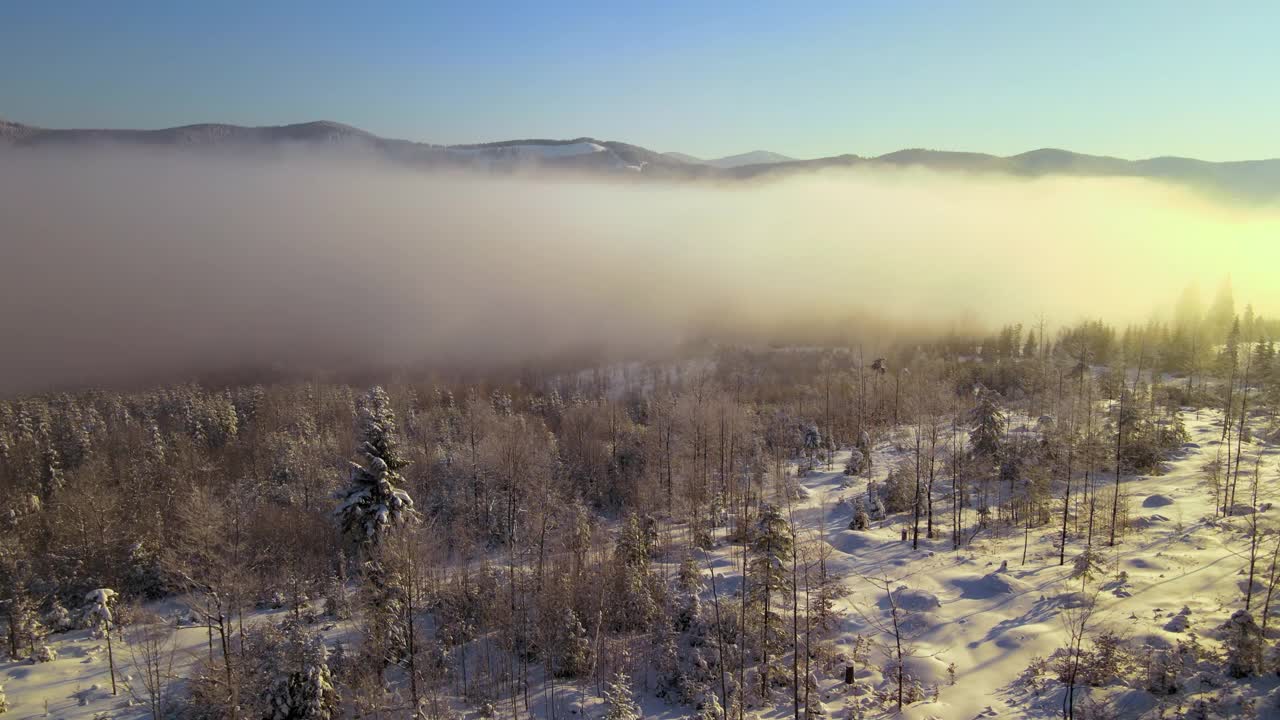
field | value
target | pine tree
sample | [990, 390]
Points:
[861, 520]
[98, 616]
[58, 619]
[1242, 639]
[575, 652]
[292, 671]
[26, 631]
[372, 504]
[771, 551]
[987, 435]
[620, 704]
[636, 602]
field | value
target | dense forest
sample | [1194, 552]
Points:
[428, 547]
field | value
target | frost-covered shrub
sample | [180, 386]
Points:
[44, 654]
[1107, 660]
[58, 619]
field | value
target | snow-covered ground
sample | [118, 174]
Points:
[989, 623]
[992, 624]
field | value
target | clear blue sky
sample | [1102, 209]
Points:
[806, 79]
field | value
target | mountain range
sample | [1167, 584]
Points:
[1252, 180]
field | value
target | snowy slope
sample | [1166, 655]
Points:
[992, 624]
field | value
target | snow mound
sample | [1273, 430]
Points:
[990, 585]
[851, 542]
[1131, 703]
[919, 623]
[915, 599]
[1151, 564]
[1157, 501]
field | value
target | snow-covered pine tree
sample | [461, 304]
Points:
[98, 617]
[1242, 639]
[97, 611]
[861, 520]
[874, 504]
[987, 435]
[26, 632]
[575, 651]
[853, 465]
[771, 551]
[58, 619]
[635, 603]
[709, 707]
[620, 704]
[292, 673]
[51, 477]
[373, 503]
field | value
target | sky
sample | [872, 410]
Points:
[1133, 79]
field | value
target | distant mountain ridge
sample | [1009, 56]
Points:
[1255, 180]
[755, 157]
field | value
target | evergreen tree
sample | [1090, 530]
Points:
[987, 435]
[1242, 639]
[373, 503]
[861, 520]
[291, 671]
[636, 596]
[771, 551]
[575, 650]
[619, 703]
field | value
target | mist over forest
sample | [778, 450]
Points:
[124, 265]
[322, 437]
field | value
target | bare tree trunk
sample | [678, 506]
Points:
[111, 658]
[1271, 586]
[1253, 533]
[715, 597]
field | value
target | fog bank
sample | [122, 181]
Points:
[121, 265]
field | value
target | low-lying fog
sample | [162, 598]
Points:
[123, 265]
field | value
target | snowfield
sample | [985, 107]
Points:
[976, 620]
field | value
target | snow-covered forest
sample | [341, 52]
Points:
[1072, 521]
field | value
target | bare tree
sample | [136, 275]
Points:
[1077, 621]
[152, 646]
